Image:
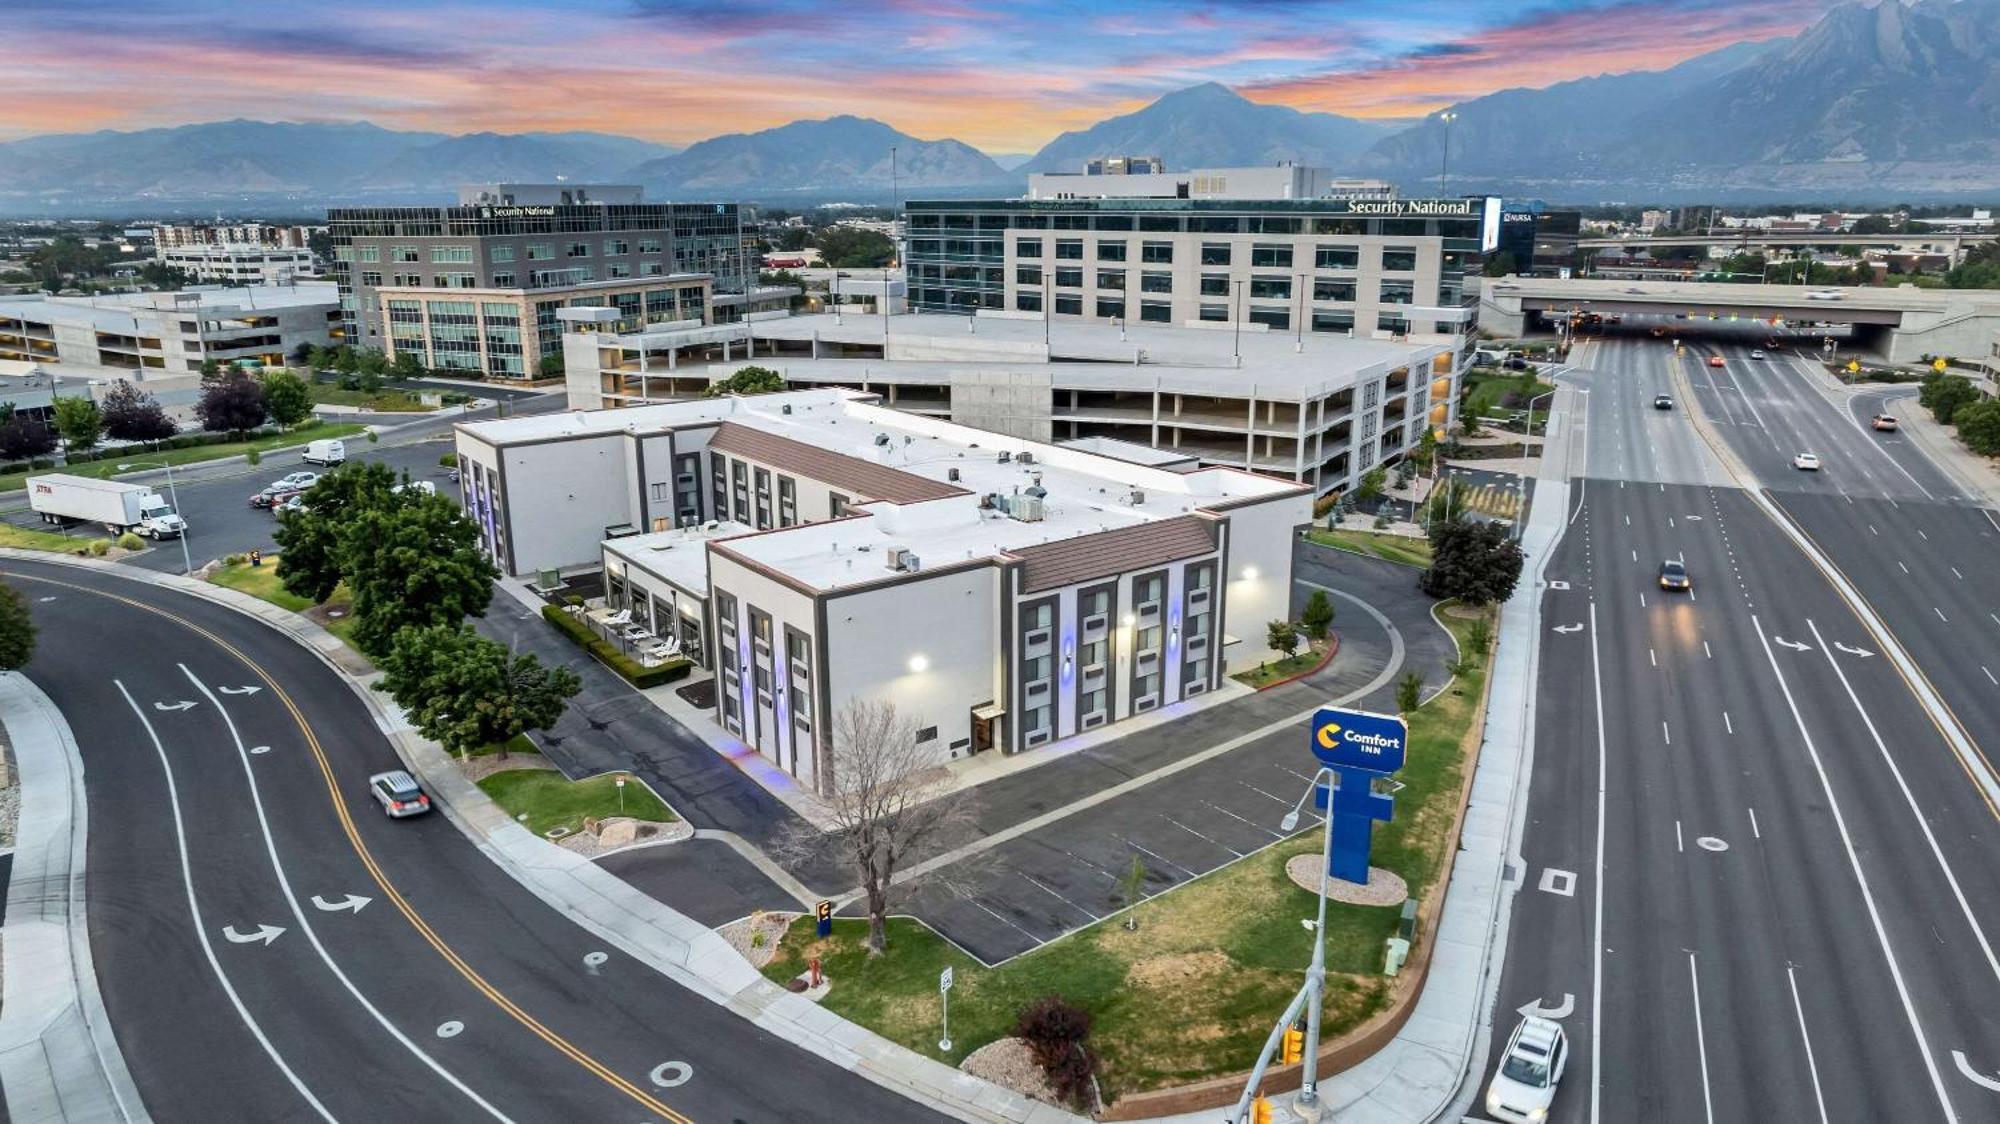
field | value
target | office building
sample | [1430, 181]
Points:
[1275, 181]
[170, 333]
[176, 235]
[1316, 409]
[1125, 166]
[549, 245]
[813, 548]
[1542, 242]
[238, 263]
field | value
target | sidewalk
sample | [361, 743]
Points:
[671, 943]
[58, 1057]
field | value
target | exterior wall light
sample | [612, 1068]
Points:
[919, 664]
[1249, 573]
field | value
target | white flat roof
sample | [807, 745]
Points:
[122, 312]
[679, 557]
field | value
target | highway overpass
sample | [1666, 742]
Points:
[1901, 324]
[1746, 239]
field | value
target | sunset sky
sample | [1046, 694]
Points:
[1003, 76]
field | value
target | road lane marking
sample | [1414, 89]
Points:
[1726, 724]
[1989, 676]
[1956, 574]
[1052, 892]
[1811, 1065]
[1754, 833]
[1940, 613]
[1899, 563]
[1680, 846]
[264, 935]
[1710, 843]
[1978, 1078]
[1597, 886]
[1860, 876]
[1705, 651]
[1240, 819]
[1666, 734]
[201, 926]
[305, 923]
[450, 1028]
[1654, 658]
[668, 1075]
[1199, 835]
[1700, 1042]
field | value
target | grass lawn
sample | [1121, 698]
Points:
[26, 539]
[548, 801]
[1193, 991]
[519, 743]
[106, 469]
[262, 582]
[1484, 393]
[1279, 669]
[389, 401]
[1395, 548]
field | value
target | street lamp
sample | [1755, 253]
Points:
[1444, 156]
[187, 560]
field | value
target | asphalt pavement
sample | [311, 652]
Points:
[271, 947]
[1757, 880]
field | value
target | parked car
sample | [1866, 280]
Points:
[424, 487]
[1663, 401]
[1674, 575]
[399, 794]
[325, 453]
[1516, 363]
[270, 496]
[1806, 462]
[296, 481]
[1524, 1086]
[294, 502]
[1715, 361]
[1884, 422]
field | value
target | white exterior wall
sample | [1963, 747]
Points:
[560, 498]
[1258, 587]
[949, 620]
[767, 730]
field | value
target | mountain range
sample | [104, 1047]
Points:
[1876, 100]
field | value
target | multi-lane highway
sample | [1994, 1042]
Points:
[1759, 876]
[271, 947]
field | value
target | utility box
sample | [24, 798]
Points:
[1398, 952]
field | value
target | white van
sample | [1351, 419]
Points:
[326, 453]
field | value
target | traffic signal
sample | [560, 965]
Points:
[1260, 1110]
[1294, 1047]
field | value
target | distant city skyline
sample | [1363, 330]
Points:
[1004, 77]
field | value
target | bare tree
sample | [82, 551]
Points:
[889, 799]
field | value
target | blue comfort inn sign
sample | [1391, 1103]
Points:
[1357, 746]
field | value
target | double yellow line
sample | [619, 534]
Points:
[389, 891]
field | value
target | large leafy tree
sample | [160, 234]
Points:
[412, 564]
[17, 630]
[1979, 426]
[1943, 395]
[231, 403]
[23, 436]
[850, 247]
[1474, 562]
[287, 398]
[747, 380]
[130, 414]
[465, 691]
[79, 422]
[309, 540]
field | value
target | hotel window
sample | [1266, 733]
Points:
[1069, 305]
[615, 246]
[1270, 257]
[1394, 325]
[1111, 251]
[719, 484]
[1158, 253]
[617, 270]
[503, 280]
[1333, 290]
[1398, 292]
[1159, 222]
[763, 499]
[1216, 224]
[1092, 654]
[656, 269]
[1215, 253]
[1091, 706]
[1156, 281]
[1069, 249]
[405, 254]
[371, 278]
[1337, 257]
[497, 254]
[453, 281]
[1324, 321]
[650, 246]
[1110, 308]
[578, 250]
[368, 253]
[739, 480]
[1069, 277]
[451, 255]
[1027, 247]
[1146, 594]
[1027, 300]
[1215, 313]
[1111, 279]
[1214, 285]
[541, 251]
[1027, 275]
[836, 504]
[407, 280]
[1271, 317]
[1156, 312]
[1072, 222]
[1399, 261]
[1271, 288]
[788, 502]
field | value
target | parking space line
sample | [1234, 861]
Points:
[1051, 891]
[1038, 941]
[1240, 819]
[1199, 835]
[1266, 795]
[1155, 854]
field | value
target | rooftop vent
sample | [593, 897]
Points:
[1006, 458]
[951, 474]
[1026, 457]
[882, 439]
[1027, 508]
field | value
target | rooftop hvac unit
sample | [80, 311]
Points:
[911, 563]
[785, 408]
[1006, 458]
[1026, 457]
[882, 439]
[897, 558]
[1028, 509]
[951, 474]
[1135, 497]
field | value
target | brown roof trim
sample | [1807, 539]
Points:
[862, 477]
[1083, 558]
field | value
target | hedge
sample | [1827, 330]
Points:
[185, 441]
[611, 657]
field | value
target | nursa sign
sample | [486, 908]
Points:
[1358, 739]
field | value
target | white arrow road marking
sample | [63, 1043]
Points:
[1692, 518]
[669, 1074]
[352, 903]
[264, 933]
[450, 1028]
[1566, 629]
[184, 704]
[44, 600]
[1862, 652]
[1559, 1011]
[1558, 585]
[260, 749]
[251, 690]
[1711, 843]
[1794, 645]
[1974, 1075]
[594, 960]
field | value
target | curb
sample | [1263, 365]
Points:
[58, 1057]
[1332, 649]
[671, 943]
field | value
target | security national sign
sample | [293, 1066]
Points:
[1358, 739]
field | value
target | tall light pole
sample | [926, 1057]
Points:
[1444, 154]
[187, 560]
[1238, 318]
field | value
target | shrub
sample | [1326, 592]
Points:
[99, 547]
[449, 460]
[130, 541]
[1409, 691]
[1054, 1030]
[627, 667]
[373, 437]
[1318, 615]
[234, 559]
[253, 458]
[1480, 635]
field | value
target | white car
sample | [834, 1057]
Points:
[295, 482]
[421, 487]
[1756, 355]
[1806, 462]
[1524, 1086]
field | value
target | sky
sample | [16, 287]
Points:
[1003, 75]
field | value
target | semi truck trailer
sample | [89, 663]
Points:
[117, 507]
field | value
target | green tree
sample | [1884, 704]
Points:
[1473, 562]
[1371, 485]
[1979, 426]
[747, 380]
[1282, 637]
[1501, 264]
[211, 369]
[551, 366]
[1874, 224]
[1132, 890]
[407, 365]
[345, 361]
[79, 422]
[1409, 692]
[1426, 450]
[412, 564]
[309, 540]
[850, 247]
[465, 692]
[287, 398]
[1943, 394]
[17, 630]
[232, 403]
[1318, 615]
[130, 414]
